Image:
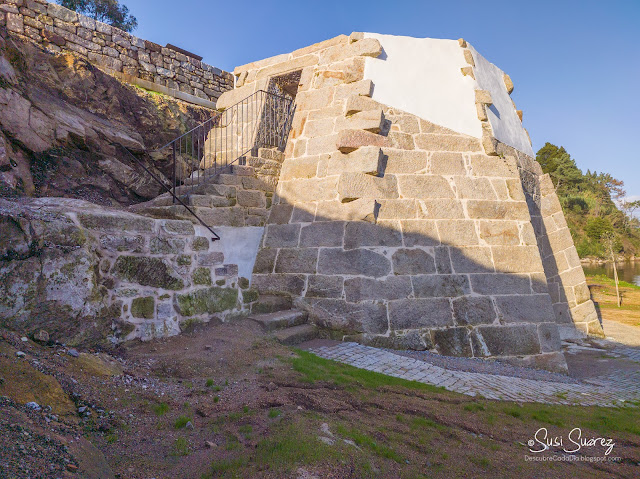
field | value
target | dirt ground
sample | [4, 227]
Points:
[224, 401]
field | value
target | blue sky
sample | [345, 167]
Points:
[575, 64]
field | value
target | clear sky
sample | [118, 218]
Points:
[575, 64]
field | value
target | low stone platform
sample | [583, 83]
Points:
[608, 391]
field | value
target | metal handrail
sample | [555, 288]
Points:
[262, 119]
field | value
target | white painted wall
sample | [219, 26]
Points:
[502, 115]
[238, 244]
[422, 76]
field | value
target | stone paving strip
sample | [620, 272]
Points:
[606, 393]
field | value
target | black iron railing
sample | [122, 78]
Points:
[261, 120]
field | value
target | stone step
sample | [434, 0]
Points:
[220, 216]
[271, 304]
[213, 189]
[296, 334]
[280, 319]
[271, 154]
[207, 201]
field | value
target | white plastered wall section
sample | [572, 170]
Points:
[423, 76]
[505, 123]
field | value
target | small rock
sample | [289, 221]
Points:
[33, 405]
[73, 352]
[209, 444]
[24, 339]
[82, 409]
[189, 425]
[72, 467]
[271, 387]
[208, 347]
[41, 336]
[20, 354]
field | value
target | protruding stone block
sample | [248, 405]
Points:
[368, 160]
[508, 85]
[349, 140]
[483, 97]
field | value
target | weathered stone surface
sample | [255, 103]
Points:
[279, 283]
[443, 260]
[474, 188]
[368, 160]
[506, 340]
[210, 259]
[312, 189]
[438, 142]
[418, 186]
[500, 232]
[412, 340]
[457, 233]
[497, 210]
[420, 313]
[133, 243]
[143, 307]
[360, 233]
[508, 83]
[419, 233]
[452, 341]
[254, 199]
[357, 262]
[265, 260]
[440, 285]
[364, 289]
[363, 209]
[447, 164]
[159, 245]
[517, 259]
[322, 233]
[365, 317]
[282, 236]
[297, 260]
[472, 259]
[440, 209]
[525, 309]
[483, 96]
[206, 301]
[319, 286]
[413, 261]
[500, 283]
[404, 161]
[494, 166]
[200, 243]
[473, 310]
[202, 276]
[116, 222]
[147, 272]
[360, 185]
[350, 140]
[549, 337]
[397, 209]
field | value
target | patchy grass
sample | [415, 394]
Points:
[314, 368]
[273, 413]
[160, 409]
[180, 447]
[181, 422]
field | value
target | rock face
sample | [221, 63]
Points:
[60, 118]
[94, 276]
[400, 232]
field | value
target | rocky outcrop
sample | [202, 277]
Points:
[61, 120]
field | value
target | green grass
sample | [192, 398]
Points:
[209, 383]
[602, 279]
[181, 422]
[473, 407]
[273, 413]
[363, 440]
[161, 409]
[314, 368]
[111, 438]
[180, 447]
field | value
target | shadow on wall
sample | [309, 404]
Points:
[410, 284]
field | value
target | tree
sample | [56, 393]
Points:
[107, 11]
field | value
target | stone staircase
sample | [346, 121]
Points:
[289, 326]
[237, 195]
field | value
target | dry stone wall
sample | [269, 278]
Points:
[396, 231]
[85, 273]
[57, 28]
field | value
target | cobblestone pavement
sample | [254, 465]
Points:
[609, 390]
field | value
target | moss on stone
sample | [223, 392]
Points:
[184, 260]
[202, 276]
[200, 243]
[250, 295]
[221, 282]
[143, 307]
[203, 301]
[146, 272]
[243, 282]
